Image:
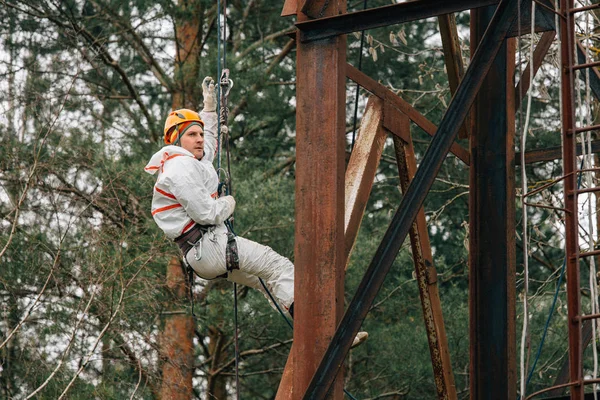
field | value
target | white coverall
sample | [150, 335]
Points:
[185, 193]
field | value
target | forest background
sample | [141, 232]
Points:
[85, 87]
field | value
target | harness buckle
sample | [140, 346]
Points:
[197, 249]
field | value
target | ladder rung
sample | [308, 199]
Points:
[588, 65]
[586, 8]
[589, 316]
[587, 128]
[587, 190]
[589, 253]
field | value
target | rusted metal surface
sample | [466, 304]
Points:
[538, 57]
[492, 226]
[567, 36]
[286, 384]
[585, 8]
[378, 17]
[426, 275]
[412, 201]
[315, 8]
[384, 93]
[319, 230]
[362, 168]
[587, 65]
[289, 8]
[453, 58]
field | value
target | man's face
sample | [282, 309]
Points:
[193, 141]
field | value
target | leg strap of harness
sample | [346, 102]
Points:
[232, 257]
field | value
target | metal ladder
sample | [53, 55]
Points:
[570, 130]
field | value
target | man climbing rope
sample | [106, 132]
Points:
[187, 207]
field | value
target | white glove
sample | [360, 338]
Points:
[208, 92]
[231, 201]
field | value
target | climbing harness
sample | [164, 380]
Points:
[225, 83]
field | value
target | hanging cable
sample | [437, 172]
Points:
[525, 330]
[360, 51]
[587, 159]
[223, 88]
[579, 179]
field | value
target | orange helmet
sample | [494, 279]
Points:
[177, 117]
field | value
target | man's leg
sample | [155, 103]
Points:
[276, 271]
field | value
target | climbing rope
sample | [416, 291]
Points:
[525, 330]
[360, 51]
[585, 164]
[223, 87]
[553, 306]
[587, 161]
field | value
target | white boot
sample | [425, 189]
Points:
[360, 338]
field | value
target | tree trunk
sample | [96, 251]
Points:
[177, 348]
[217, 384]
[188, 34]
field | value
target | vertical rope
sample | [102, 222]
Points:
[218, 85]
[589, 183]
[237, 346]
[525, 331]
[220, 67]
[362, 42]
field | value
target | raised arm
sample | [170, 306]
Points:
[210, 118]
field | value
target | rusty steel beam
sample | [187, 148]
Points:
[453, 58]
[362, 168]
[319, 231]
[412, 201]
[426, 273]
[315, 8]
[538, 57]
[390, 97]
[323, 28]
[492, 253]
[289, 8]
[286, 384]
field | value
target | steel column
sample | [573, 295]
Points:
[319, 231]
[567, 37]
[492, 227]
[412, 201]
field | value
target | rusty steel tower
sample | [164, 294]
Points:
[485, 99]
